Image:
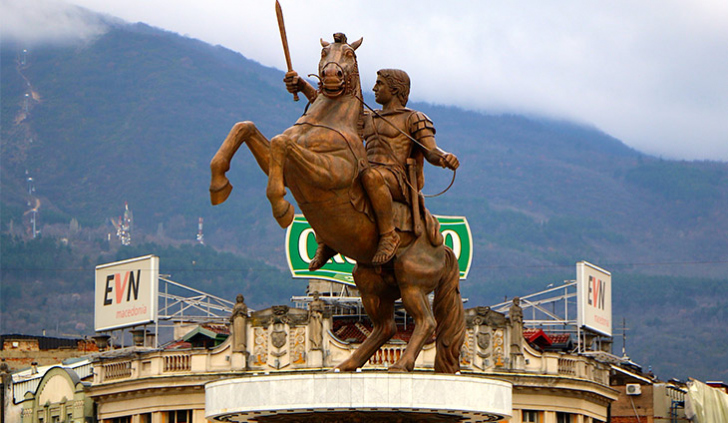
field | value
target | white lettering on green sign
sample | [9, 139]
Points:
[301, 247]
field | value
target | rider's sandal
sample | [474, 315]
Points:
[388, 244]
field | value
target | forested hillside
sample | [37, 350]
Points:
[135, 116]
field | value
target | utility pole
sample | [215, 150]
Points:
[624, 337]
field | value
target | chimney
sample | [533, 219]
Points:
[34, 368]
[151, 339]
[102, 341]
[138, 336]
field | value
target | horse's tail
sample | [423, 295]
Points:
[450, 317]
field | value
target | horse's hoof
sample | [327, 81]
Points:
[322, 256]
[397, 369]
[220, 194]
[316, 263]
[285, 219]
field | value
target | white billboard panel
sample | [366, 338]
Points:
[594, 298]
[126, 293]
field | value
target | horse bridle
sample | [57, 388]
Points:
[346, 81]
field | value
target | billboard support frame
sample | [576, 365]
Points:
[569, 290]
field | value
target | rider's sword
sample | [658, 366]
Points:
[284, 40]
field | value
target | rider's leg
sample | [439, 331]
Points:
[381, 199]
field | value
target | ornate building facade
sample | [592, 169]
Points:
[144, 385]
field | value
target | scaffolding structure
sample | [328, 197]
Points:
[199, 306]
[555, 310]
[549, 308]
[178, 304]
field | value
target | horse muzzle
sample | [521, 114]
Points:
[333, 83]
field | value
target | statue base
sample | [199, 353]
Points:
[364, 397]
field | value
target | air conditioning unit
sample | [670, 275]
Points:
[634, 389]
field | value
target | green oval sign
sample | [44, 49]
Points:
[301, 247]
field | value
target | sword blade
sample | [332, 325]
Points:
[284, 40]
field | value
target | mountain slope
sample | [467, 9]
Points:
[136, 114]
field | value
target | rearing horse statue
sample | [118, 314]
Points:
[319, 160]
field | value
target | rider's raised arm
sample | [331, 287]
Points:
[295, 83]
[422, 129]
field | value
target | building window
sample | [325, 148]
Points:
[145, 418]
[529, 416]
[125, 419]
[69, 418]
[179, 416]
[563, 417]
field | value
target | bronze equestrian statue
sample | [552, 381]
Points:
[322, 160]
[392, 136]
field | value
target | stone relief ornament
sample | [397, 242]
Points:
[297, 345]
[466, 357]
[484, 340]
[260, 349]
[278, 337]
[498, 353]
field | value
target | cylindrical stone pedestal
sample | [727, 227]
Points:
[361, 397]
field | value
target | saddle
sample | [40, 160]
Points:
[406, 222]
[404, 216]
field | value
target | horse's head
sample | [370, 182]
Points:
[338, 70]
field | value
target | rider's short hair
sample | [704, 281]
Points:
[398, 81]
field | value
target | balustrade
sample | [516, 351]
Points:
[567, 366]
[119, 370]
[177, 363]
[388, 355]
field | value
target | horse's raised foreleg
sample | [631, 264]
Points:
[276, 190]
[242, 132]
[378, 301]
[415, 302]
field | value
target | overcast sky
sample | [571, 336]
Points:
[652, 73]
